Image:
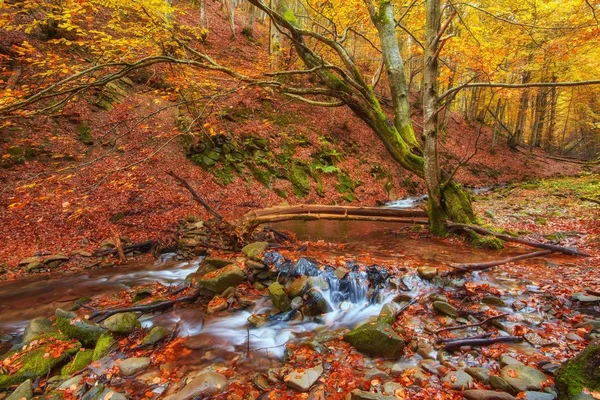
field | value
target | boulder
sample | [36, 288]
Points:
[427, 272]
[155, 335]
[37, 327]
[317, 304]
[303, 379]
[71, 325]
[217, 263]
[252, 250]
[508, 360]
[458, 380]
[487, 395]
[388, 313]
[202, 386]
[479, 374]
[581, 371]
[23, 391]
[297, 286]
[522, 378]
[376, 339]
[123, 323]
[280, 299]
[441, 307]
[375, 373]
[497, 382]
[217, 304]
[220, 280]
[133, 365]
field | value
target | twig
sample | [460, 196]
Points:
[485, 321]
[482, 336]
[451, 345]
[482, 266]
[195, 195]
[146, 308]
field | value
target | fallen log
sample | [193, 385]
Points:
[164, 305]
[482, 266]
[508, 238]
[454, 344]
[253, 219]
[456, 327]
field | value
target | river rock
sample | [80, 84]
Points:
[445, 309]
[303, 379]
[297, 286]
[388, 313]
[585, 298]
[37, 327]
[280, 299]
[258, 320]
[574, 337]
[357, 394]
[103, 346]
[486, 395]
[505, 360]
[218, 263]
[202, 386]
[536, 340]
[493, 300]
[581, 371]
[34, 267]
[100, 392]
[376, 339]
[539, 396]
[427, 272]
[479, 374]
[156, 334]
[497, 382]
[594, 324]
[133, 365]
[375, 373]
[55, 260]
[220, 280]
[76, 380]
[522, 377]
[29, 260]
[81, 360]
[73, 326]
[123, 323]
[458, 380]
[34, 363]
[217, 304]
[23, 391]
[252, 250]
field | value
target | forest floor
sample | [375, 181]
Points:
[207, 348]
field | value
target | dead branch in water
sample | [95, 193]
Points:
[482, 266]
[195, 195]
[508, 238]
[164, 305]
[485, 321]
[454, 344]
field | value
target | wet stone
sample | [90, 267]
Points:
[486, 395]
[458, 380]
[493, 300]
[303, 379]
[479, 374]
[252, 250]
[131, 366]
[123, 323]
[297, 286]
[357, 394]
[37, 327]
[522, 377]
[258, 320]
[539, 396]
[508, 360]
[23, 391]
[305, 266]
[536, 340]
[574, 337]
[376, 339]
[375, 373]
[278, 296]
[220, 280]
[497, 382]
[156, 334]
[426, 272]
[444, 308]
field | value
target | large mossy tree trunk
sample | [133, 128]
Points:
[349, 85]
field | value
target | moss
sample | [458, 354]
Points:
[486, 242]
[281, 193]
[261, 174]
[582, 371]
[34, 363]
[289, 16]
[346, 186]
[279, 298]
[298, 176]
[82, 359]
[72, 326]
[103, 346]
[155, 335]
[84, 133]
[458, 204]
[376, 339]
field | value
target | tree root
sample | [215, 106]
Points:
[508, 238]
[145, 308]
[454, 344]
[482, 266]
[195, 195]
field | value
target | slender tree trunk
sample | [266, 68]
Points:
[498, 125]
[275, 49]
[249, 28]
[552, 118]
[203, 17]
[232, 17]
[515, 140]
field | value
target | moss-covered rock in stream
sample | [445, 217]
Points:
[376, 339]
[39, 359]
[220, 280]
[279, 297]
[37, 327]
[103, 346]
[82, 359]
[74, 327]
[582, 371]
[123, 323]
[155, 335]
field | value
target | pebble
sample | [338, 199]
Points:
[303, 379]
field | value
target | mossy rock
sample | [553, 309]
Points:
[86, 332]
[82, 359]
[220, 280]
[298, 176]
[582, 371]
[486, 242]
[24, 391]
[37, 327]
[253, 250]
[376, 339]
[123, 323]
[279, 298]
[34, 363]
[155, 335]
[217, 262]
[103, 346]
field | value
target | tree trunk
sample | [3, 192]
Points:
[203, 17]
[516, 138]
[232, 17]
[552, 118]
[274, 38]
